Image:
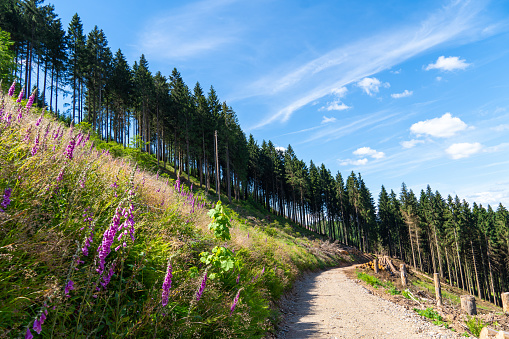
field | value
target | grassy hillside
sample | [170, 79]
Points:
[93, 245]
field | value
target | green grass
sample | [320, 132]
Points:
[431, 314]
[58, 202]
[371, 280]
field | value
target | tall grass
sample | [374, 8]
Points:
[87, 240]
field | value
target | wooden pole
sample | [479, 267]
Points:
[404, 279]
[505, 301]
[438, 289]
[468, 304]
[375, 266]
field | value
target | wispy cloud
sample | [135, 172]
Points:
[371, 85]
[351, 63]
[190, 30]
[448, 64]
[501, 128]
[358, 162]
[333, 131]
[411, 143]
[406, 93]
[443, 127]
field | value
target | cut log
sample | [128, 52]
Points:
[468, 304]
[391, 265]
[404, 279]
[488, 333]
[375, 266]
[505, 301]
[438, 290]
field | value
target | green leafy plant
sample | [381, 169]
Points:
[220, 224]
[221, 258]
[475, 325]
[433, 315]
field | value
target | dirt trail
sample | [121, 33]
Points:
[329, 305]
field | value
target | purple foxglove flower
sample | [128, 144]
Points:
[61, 174]
[20, 97]
[43, 318]
[202, 287]
[108, 238]
[88, 241]
[69, 287]
[11, 93]
[31, 101]
[6, 201]
[107, 277]
[70, 149]
[166, 285]
[36, 146]
[235, 301]
[38, 122]
[37, 326]
[29, 334]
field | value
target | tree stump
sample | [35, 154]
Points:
[438, 290]
[488, 333]
[375, 266]
[505, 301]
[468, 304]
[404, 279]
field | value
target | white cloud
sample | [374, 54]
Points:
[443, 127]
[448, 64]
[439, 78]
[280, 148]
[359, 162]
[336, 105]
[411, 143]
[327, 120]
[369, 152]
[371, 85]
[463, 150]
[406, 93]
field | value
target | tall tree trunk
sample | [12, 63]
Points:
[475, 269]
[459, 258]
[228, 172]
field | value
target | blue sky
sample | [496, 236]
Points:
[400, 91]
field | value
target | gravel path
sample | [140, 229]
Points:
[329, 305]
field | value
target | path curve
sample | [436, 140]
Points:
[329, 305]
